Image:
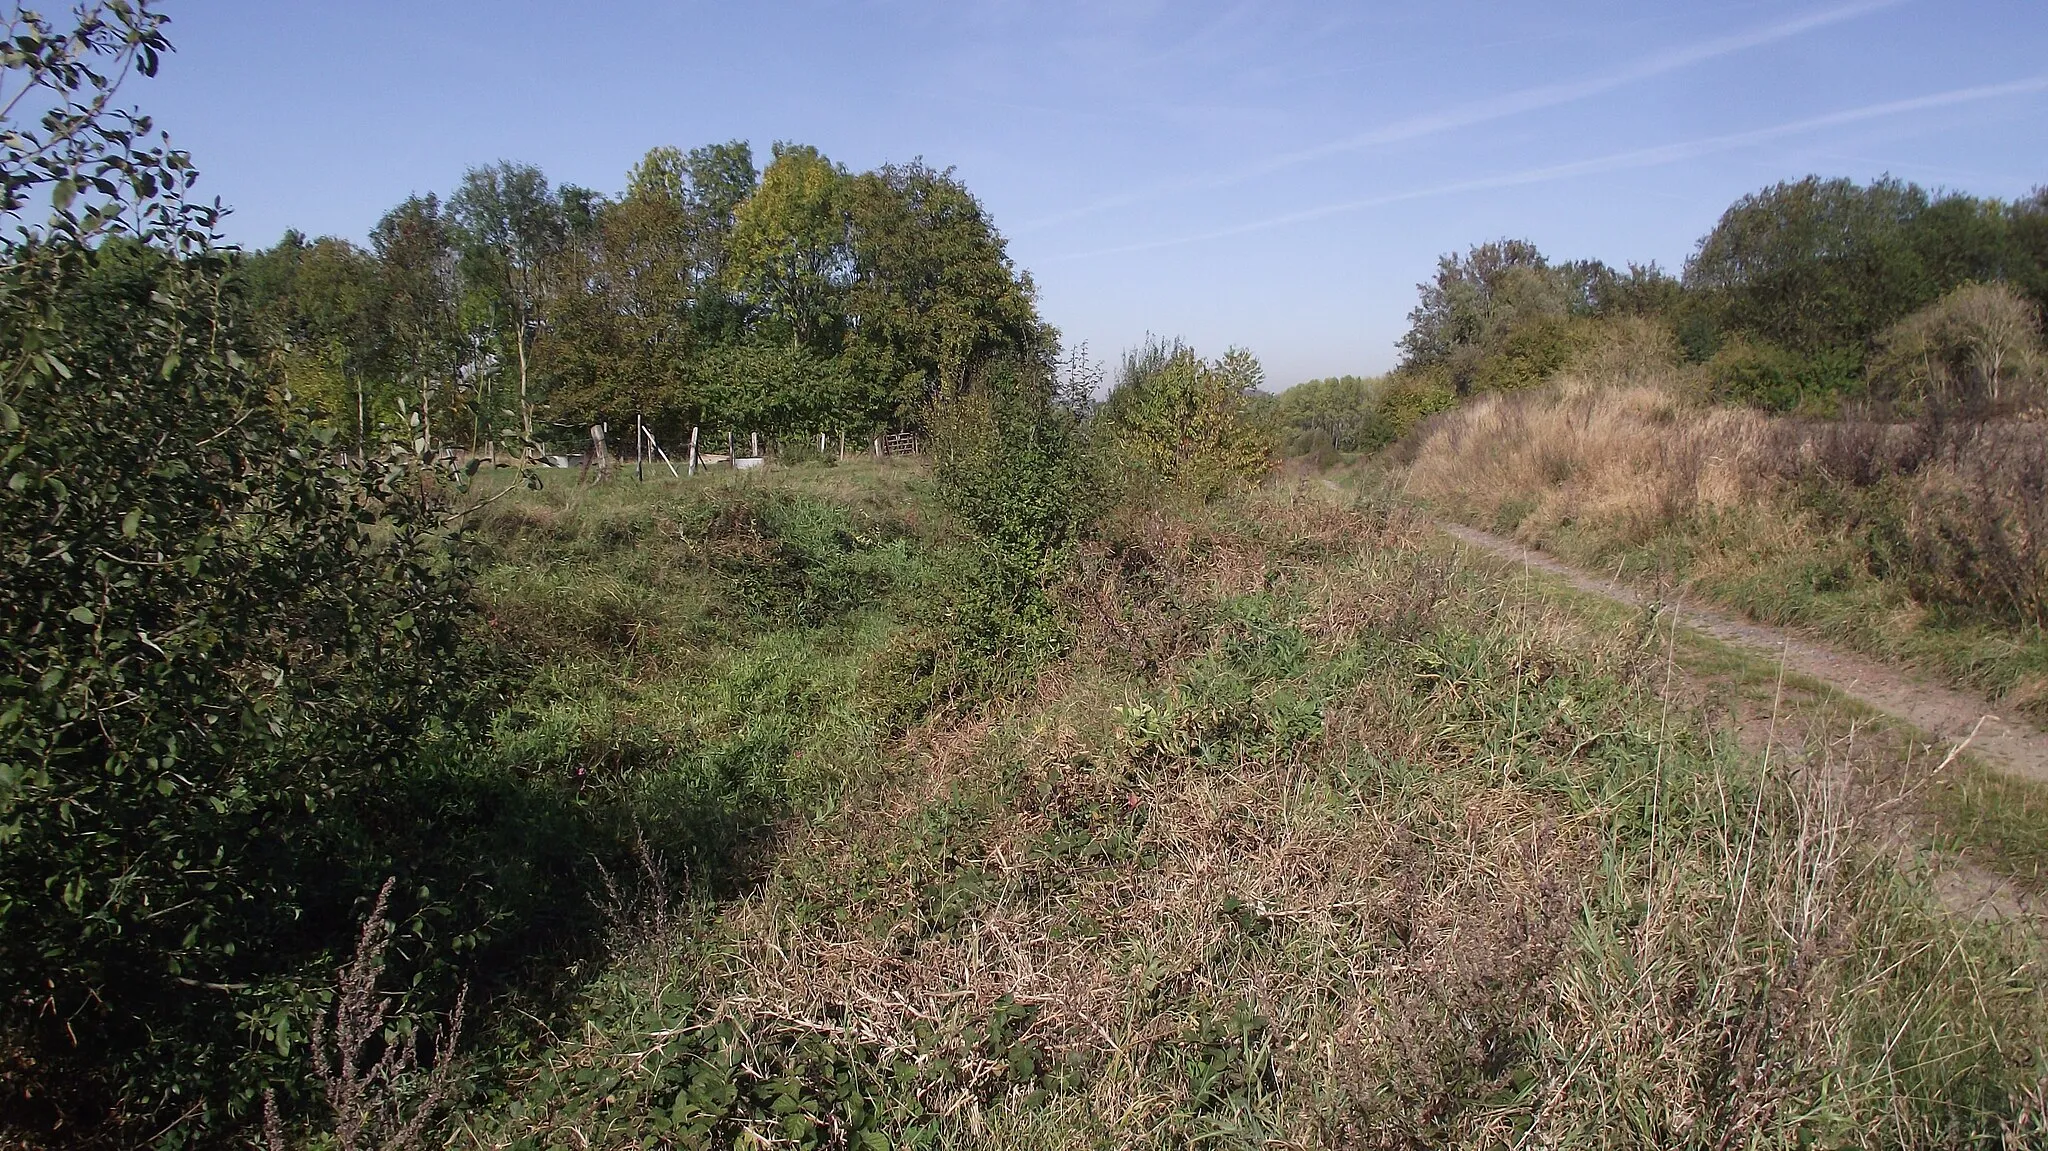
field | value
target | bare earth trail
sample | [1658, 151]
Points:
[2011, 746]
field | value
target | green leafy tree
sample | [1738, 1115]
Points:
[1337, 413]
[1461, 305]
[1641, 290]
[617, 334]
[219, 637]
[514, 230]
[645, 294]
[416, 260]
[1482, 315]
[705, 187]
[791, 253]
[324, 305]
[934, 295]
[1817, 264]
[2027, 228]
[1960, 239]
[772, 387]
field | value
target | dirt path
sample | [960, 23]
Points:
[2013, 746]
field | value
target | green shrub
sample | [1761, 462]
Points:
[222, 638]
[1412, 398]
[233, 690]
[1010, 467]
[1182, 426]
[1771, 378]
[1976, 350]
[1531, 353]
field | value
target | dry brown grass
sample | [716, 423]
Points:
[1926, 543]
[1633, 458]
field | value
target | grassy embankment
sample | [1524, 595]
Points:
[1924, 544]
[1315, 837]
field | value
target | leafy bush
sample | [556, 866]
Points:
[1411, 399]
[1182, 425]
[1978, 529]
[1773, 379]
[1531, 353]
[231, 653]
[1010, 465]
[1977, 349]
[1958, 512]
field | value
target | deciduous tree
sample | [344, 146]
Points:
[513, 231]
[416, 258]
[791, 254]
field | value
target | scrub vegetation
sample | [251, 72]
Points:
[1311, 834]
[1883, 482]
[1086, 780]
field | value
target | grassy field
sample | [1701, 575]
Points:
[1317, 836]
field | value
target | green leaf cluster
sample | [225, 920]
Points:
[1179, 424]
[235, 657]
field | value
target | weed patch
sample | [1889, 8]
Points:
[1378, 851]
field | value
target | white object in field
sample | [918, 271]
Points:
[664, 455]
[745, 462]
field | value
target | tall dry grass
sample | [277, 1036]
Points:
[1925, 541]
[1632, 458]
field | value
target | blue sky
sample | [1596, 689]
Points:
[1272, 175]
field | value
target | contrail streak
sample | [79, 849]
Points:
[1615, 162]
[1494, 108]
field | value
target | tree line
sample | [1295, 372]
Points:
[793, 299]
[1805, 296]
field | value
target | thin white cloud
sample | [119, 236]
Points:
[1493, 108]
[1614, 162]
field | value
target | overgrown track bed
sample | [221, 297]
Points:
[1319, 837]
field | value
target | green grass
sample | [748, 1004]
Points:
[1316, 837]
[696, 644]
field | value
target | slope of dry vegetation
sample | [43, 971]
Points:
[1316, 839]
[1924, 541]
